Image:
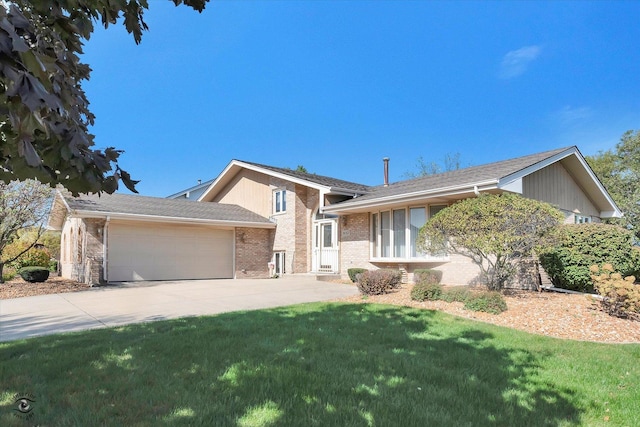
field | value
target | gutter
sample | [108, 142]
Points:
[406, 197]
[156, 218]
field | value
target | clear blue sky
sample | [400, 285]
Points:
[336, 86]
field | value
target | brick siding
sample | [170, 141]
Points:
[253, 252]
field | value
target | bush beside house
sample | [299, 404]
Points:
[582, 245]
[377, 282]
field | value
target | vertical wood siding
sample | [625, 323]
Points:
[555, 185]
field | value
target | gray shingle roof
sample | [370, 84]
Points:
[161, 207]
[317, 179]
[460, 177]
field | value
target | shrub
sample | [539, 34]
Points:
[488, 301]
[455, 294]
[8, 275]
[353, 273]
[377, 282]
[426, 275]
[620, 297]
[584, 245]
[426, 291]
[32, 258]
[34, 274]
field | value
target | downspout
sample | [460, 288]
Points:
[105, 264]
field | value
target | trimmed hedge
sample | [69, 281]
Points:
[34, 274]
[426, 291]
[353, 273]
[488, 301]
[427, 275]
[377, 282]
[455, 294]
[584, 245]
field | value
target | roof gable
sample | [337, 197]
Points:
[505, 175]
[323, 183]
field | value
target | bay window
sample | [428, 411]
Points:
[394, 233]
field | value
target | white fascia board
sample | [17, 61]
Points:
[616, 212]
[58, 200]
[264, 171]
[514, 186]
[218, 179]
[415, 196]
[173, 220]
[508, 180]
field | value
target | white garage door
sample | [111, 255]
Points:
[168, 252]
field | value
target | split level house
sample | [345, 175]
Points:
[259, 221]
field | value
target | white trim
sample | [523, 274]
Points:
[105, 261]
[168, 219]
[415, 196]
[237, 163]
[283, 200]
[514, 186]
[508, 181]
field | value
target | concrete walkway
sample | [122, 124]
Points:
[137, 302]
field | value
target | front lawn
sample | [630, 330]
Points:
[318, 364]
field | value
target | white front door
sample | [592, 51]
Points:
[325, 246]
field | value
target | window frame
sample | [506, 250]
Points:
[378, 237]
[279, 201]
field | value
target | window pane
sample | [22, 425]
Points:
[385, 231]
[418, 219]
[434, 209]
[374, 234]
[326, 236]
[277, 194]
[284, 200]
[399, 233]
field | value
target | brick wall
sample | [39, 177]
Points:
[82, 253]
[253, 252]
[285, 235]
[354, 243]
[301, 233]
[459, 270]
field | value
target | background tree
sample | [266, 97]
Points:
[619, 171]
[451, 162]
[23, 206]
[44, 112]
[495, 231]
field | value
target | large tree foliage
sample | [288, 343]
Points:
[23, 206]
[423, 168]
[619, 171]
[44, 112]
[495, 231]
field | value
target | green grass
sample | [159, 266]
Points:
[319, 364]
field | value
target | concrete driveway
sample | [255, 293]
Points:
[137, 302]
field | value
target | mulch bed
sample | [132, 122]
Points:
[566, 316]
[17, 288]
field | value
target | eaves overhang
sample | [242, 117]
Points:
[169, 219]
[356, 206]
[236, 165]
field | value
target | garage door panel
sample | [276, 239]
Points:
[160, 252]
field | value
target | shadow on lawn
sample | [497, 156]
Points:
[303, 365]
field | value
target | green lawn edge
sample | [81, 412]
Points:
[318, 364]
